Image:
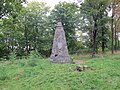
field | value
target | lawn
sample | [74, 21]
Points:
[41, 74]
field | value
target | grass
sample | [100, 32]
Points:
[40, 74]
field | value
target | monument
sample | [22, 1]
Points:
[59, 50]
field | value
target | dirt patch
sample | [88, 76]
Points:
[83, 68]
[79, 61]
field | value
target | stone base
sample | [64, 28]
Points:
[59, 59]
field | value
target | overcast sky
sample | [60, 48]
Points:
[53, 2]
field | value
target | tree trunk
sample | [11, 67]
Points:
[116, 37]
[94, 38]
[35, 37]
[118, 45]
[103, 47]
[94, 43]
[115, 40]
[103, 42]
[12, 44]
[112, 30]
[26, 40]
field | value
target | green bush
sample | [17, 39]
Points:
[4, 52]
[33, 57]
[12, 56]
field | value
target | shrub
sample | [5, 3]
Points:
[12, 56]
[33, 57]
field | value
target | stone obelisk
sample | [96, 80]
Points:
[59, 50]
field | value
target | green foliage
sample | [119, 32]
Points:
[4, 52]
[33, 57]
[30, 28]
[36, 34]
[26, 29]
[34, 54]
[96, 23]
[67, 13]
[12, 56]
[9, 7]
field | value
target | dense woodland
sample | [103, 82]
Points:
[91, 26]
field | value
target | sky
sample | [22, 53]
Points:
[53, 2]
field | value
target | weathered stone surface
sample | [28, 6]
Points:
[59, 50]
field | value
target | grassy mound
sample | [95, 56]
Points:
[40, 74]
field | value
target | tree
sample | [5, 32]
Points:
[67, 13]
[27, 30]
[9, 7]
[114, 5]
[34, 28]
[94, 12]
[9, 11]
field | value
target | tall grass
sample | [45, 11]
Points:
[37, 73]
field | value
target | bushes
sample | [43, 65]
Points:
[34, 54]
[33, 57]
[82, 51]
[4, 52]
[12, 56]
